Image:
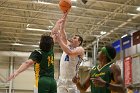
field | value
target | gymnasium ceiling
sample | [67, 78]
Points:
[22, 22]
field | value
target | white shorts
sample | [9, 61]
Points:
[66, 86]
[35, 89]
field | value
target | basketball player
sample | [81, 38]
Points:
[43, 61]
[72, 53]
[102, 76]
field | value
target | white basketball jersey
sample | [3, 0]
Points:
[68, 66]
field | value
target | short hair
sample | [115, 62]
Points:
[46, 42]
[80, 39]
[111, 52]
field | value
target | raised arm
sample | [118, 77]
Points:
[62, 29]
[55, 29]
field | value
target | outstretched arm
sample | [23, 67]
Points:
[22, 68]
[60, 27]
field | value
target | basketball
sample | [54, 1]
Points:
[65, 5]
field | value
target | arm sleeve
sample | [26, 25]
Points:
[35, 56]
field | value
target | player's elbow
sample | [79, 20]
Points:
[29, 62]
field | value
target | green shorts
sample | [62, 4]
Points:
[47, 85]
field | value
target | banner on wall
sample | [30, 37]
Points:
[136, 37]
[128, 70]
[126, 42]
[117, 45]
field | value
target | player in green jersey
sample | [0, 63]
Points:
[105, 77]
[43, 61]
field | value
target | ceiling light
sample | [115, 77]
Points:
[35, 45]
[50, 27]
[138, 9]
[17, 44]
[74, 6]
[28, 25]
[74, 0]
[34, 29]
[124, 36]
[41, 2]
[131, 14]
[102, 32]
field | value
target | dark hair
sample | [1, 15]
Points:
[46, 42]
[80, 39]
[111, 51]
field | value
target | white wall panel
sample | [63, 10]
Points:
[4, 71]
[24, 80]
[130, 51]
[138, 48]
[136, 70]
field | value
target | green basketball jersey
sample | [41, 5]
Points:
[105, 73]
[44, 65]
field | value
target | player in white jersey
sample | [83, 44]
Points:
[72, 52]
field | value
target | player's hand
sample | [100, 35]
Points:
[12, 76]
[62, 24]
[57, 26]
[98, 81]
[65, 15]
[76, 79]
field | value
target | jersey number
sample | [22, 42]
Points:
[66, 58]
[50, 60]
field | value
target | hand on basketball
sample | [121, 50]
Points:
[98, 81]
[65, 15]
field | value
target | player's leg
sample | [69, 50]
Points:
[53, 86]
[44, 84]
[35, 89]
